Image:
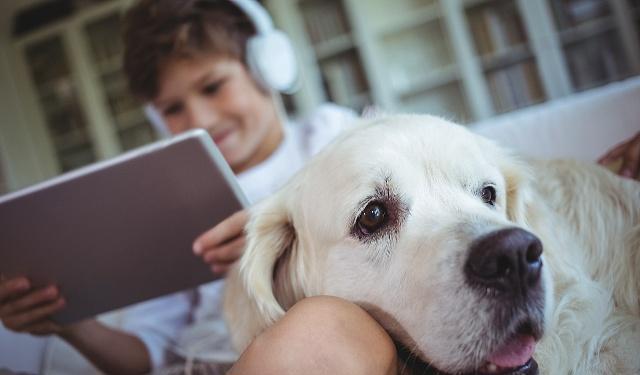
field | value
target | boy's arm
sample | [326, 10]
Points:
[111, 350]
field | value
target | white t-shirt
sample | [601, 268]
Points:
[189, 324]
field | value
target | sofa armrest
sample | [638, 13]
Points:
[582, 126]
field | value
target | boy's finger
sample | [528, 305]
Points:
[613, 154]
[631, 162]
[10, 288]
[221, 233]
[45, 327]
[28, 301]
[228, 252]
[21, 321]
[221, 268]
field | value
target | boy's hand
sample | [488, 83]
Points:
[629, 152]
[24, 309]
[223, 244]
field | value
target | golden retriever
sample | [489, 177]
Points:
[477, 260]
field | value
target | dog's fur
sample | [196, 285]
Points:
[409, 276]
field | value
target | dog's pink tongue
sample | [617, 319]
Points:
[515, 352]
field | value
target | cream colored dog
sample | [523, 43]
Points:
[473, 258]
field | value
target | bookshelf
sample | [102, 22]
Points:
[446, 100]
[506, 58]
[464, 59]
[421, 69]
[329, 31]
[408, 14]
[344, 80]
[65, 118]
[591, 41]
[73, 79]
[106, 53]
[341, 44]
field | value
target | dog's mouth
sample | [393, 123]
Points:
[529, 368]
[514, 357]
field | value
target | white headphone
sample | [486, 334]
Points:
[269, 53]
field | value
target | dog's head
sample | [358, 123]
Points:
[423, 224]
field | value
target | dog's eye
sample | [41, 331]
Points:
[488, 195]
[372, 218]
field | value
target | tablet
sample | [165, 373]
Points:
[120, 231]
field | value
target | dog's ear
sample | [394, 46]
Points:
[272, 265]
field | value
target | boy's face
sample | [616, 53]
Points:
[219, 95]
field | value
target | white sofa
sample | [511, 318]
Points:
[582, 126]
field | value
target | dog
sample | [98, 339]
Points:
[478, 260]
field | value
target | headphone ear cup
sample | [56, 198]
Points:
[272, 61]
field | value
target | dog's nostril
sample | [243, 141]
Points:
[534, 251]
[505, 260]
[504, 265]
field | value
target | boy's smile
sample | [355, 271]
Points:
[219, 95]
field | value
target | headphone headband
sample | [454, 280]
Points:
[256, 14]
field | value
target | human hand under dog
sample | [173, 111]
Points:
[27, 310]
[223, 244]
[629, 152]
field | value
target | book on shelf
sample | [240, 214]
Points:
[515, 87]
[534, 85]
[584, 10]
[325, 20]
[596, 61]
[495, 28]
[480, 32]
[72, 138]
[344, 79]
[104, 38]
[574, 12]
[76, 158]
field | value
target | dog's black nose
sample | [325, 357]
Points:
[506, 260]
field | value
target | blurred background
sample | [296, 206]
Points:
[64, 101]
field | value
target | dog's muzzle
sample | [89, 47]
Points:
[507, 261]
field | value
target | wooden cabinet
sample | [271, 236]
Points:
[106, 49]
[73, 80]
[464, 59]
[57, 95]
[592, 41]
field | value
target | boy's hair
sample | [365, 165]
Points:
[157, 31]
